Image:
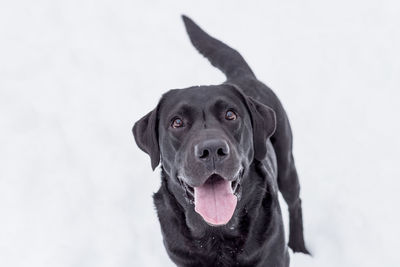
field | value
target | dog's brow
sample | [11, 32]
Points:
[181, 108]
[221, 103]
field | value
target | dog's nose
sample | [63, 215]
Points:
[213, 148]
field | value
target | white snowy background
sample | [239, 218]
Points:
[75, 75]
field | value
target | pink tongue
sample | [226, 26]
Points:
[215, 202]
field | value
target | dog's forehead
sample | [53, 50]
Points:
[199, 96]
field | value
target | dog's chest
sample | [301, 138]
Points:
[220, 250]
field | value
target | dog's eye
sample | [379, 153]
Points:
[230, 115]
[177, 123]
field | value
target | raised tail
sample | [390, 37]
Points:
[225, 58]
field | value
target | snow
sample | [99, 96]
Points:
[75, 75]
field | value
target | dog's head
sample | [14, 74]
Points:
[206, 138]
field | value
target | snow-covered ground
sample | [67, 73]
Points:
[75, 75]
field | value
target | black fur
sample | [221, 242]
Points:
[260, 143]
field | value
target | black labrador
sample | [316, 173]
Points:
[225, 150]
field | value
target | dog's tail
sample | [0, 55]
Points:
[225, 58]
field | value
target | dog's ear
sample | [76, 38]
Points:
[145, 132]
[263, 119]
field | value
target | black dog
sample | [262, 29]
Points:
[225, 150]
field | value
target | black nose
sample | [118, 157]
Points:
[213, 148]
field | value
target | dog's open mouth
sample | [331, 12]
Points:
[216, 199]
